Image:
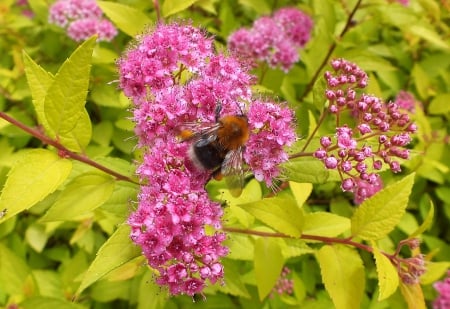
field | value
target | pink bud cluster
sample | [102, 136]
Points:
[274, 40]
[378, 137]
[284, 285]
[25, 7]
[173, 77]
[82, 19]
[443, 299]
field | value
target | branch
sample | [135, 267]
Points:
[66, 152]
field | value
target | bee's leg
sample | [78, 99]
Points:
[218, 110]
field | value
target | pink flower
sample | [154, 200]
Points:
[82, 19]
[405, 101]
[443, 299]
[274, 40]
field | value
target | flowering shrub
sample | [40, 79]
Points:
[344, 186]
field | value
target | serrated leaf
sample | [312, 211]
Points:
[39, 81]
[435, 270]
[171, 7]
[343, 275]
[13, 271]
[413, 295]
[426, 223]
[66, 97]
[78, 139]
[37, 174]
[280, 213]
[268, 263]
[377, 216]
[82, 195]
[325, 224]
[126, 18]
[116, 251]
[294, 247]
[387, 275]
[240, 246]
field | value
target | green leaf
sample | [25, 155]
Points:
[439, 105]
[426, 223]
[126, 18]
[233, 280]
[36, 237]
[301, 191]
[343, 275]
[66, 97]
[41, 302]
[82, 195]
[435, 270]
[280, 213]
[325, 224]
[268, 264]
[261, 7]
[34, 176]
[13, 272]
[78, 139]
[39, 81]
[377, 216]
[413, 295]
[116, 251]
[429, 35]
[306, 170]
[387, 275]
[240, 246]
[171, 7]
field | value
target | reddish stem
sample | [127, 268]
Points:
[47, 140]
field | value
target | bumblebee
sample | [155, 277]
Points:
[218, 147]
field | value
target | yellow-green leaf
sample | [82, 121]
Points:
[268, 264]
[171, 7]
[301, 191]
[413, 295]
[280, 213]
[426, 223]
[66, 97]
[343, 275]
[377, 216]
[126, 18]
[116, 251]
[325, 224]
[34, 176]
[82, 195]
[387, 275]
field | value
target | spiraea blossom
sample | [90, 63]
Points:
[284, 285]
[406, 101]
[379, 135]
[173, 77]
[82, 19]
[275, 40]
[443, 288]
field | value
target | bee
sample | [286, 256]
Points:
[218, 147]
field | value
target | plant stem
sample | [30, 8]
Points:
[66, 152]
[329, 240]
[330, 51]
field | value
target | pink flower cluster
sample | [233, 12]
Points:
[284, 285]
[173, 77]
[379, 135]
[443, 287]
[406, 101]
[275, 40]
[82, 19]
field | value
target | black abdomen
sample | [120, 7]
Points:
[209, 155]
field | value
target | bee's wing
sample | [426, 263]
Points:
[233, 171]
[195, 130]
